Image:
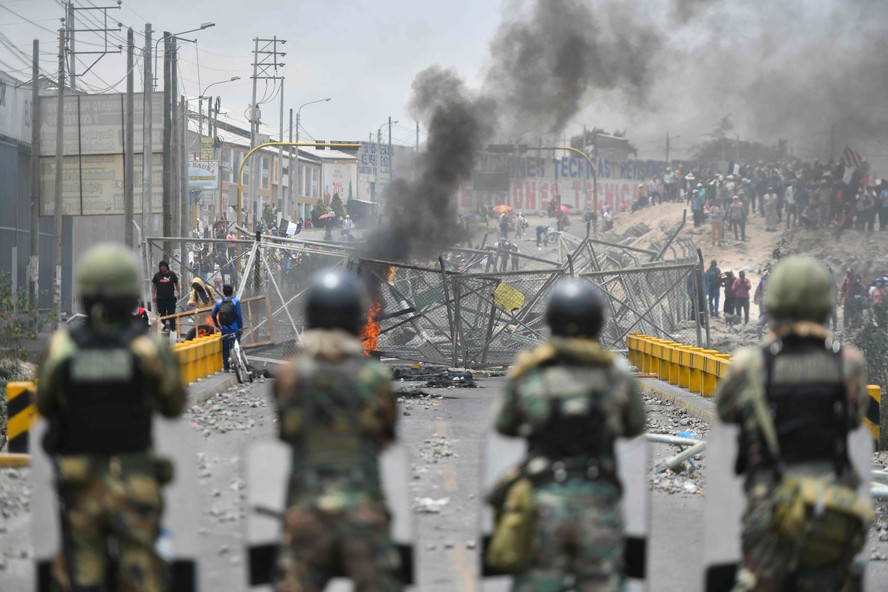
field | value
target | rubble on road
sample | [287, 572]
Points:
[438, 377]
[223, 412]
[15, 493]
[664, 417]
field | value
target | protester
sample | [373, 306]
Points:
[728, 283]
[742, 285]
[713, 287]
[228, 319]
[737, 218]
[165, 292]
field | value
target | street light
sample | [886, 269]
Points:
[200, 99]
[388, 123]
[290, 149]
[157, 43]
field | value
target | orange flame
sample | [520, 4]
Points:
[392, 271]
[371, 330]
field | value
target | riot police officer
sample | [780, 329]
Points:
[98, 387]
[795, 400]
[571, 400]
[337, 412]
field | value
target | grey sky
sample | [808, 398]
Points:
[362, 54]
[779, 68]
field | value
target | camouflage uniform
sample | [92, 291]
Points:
[577, 492]
[107, 495]
[337, 411]
[769, 564]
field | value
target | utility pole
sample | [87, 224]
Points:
[128, 143]
[378, 157]
[59, 165]
[176, 151]
[167, 145]
[290, 166]
[391, 160]
[832, 145]
[280, 159]
[667, 148]
[254, 125]
[375, 168]
[185, 219]
[34, 258]
[265, 67]
[147, 144]
[72, 54]
[108, 45]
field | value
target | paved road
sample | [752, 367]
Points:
[444, 434]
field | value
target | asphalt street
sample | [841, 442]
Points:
[443, 429]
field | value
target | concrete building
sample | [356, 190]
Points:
[316, 173]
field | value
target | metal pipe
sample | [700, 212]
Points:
[676, 440]
[685, 454]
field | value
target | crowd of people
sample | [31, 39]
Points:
[790, 193]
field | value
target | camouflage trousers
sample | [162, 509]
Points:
[355, 543]
[769, 564]
[580, 539]
[125, 509]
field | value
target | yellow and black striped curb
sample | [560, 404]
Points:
[20, 413]
[871, 418]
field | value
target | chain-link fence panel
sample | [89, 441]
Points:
[470, 307]
[656, 300]
[499, 314]
[411, 318]
[279, 270]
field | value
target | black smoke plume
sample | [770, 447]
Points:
[421, 217]
[547, 61]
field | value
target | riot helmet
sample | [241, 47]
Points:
[108, 275]
[575, 309]
[336, 299]
[799, 289]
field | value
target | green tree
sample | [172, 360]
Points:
[336, 206]
[318, 210]
[17, 323]
[721, 146]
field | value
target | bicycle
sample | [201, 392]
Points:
[238, 359]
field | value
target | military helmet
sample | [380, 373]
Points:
[108, 271]
[799, 289]
[336, 299]
[575, 309]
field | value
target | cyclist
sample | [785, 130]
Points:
[227, 317]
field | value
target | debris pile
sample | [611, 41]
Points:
[222, 413]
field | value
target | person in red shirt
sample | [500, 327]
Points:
[741, 288]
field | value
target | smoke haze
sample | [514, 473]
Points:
[778, 68]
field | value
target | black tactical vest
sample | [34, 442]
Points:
[105, 410]
[575, 424]
[333, 444]
[805, 388]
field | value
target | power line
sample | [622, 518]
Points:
[35, 23]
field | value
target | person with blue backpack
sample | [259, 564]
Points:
[227, 316]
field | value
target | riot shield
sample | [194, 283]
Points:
[725, 500]
[266, 473]
[500, 454]
[175, 440]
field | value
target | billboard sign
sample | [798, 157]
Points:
[203, 175]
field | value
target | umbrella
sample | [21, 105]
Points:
[565, 210]
[327, 215]
[502, 209]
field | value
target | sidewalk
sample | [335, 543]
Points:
[204, 388]
[696, 405]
